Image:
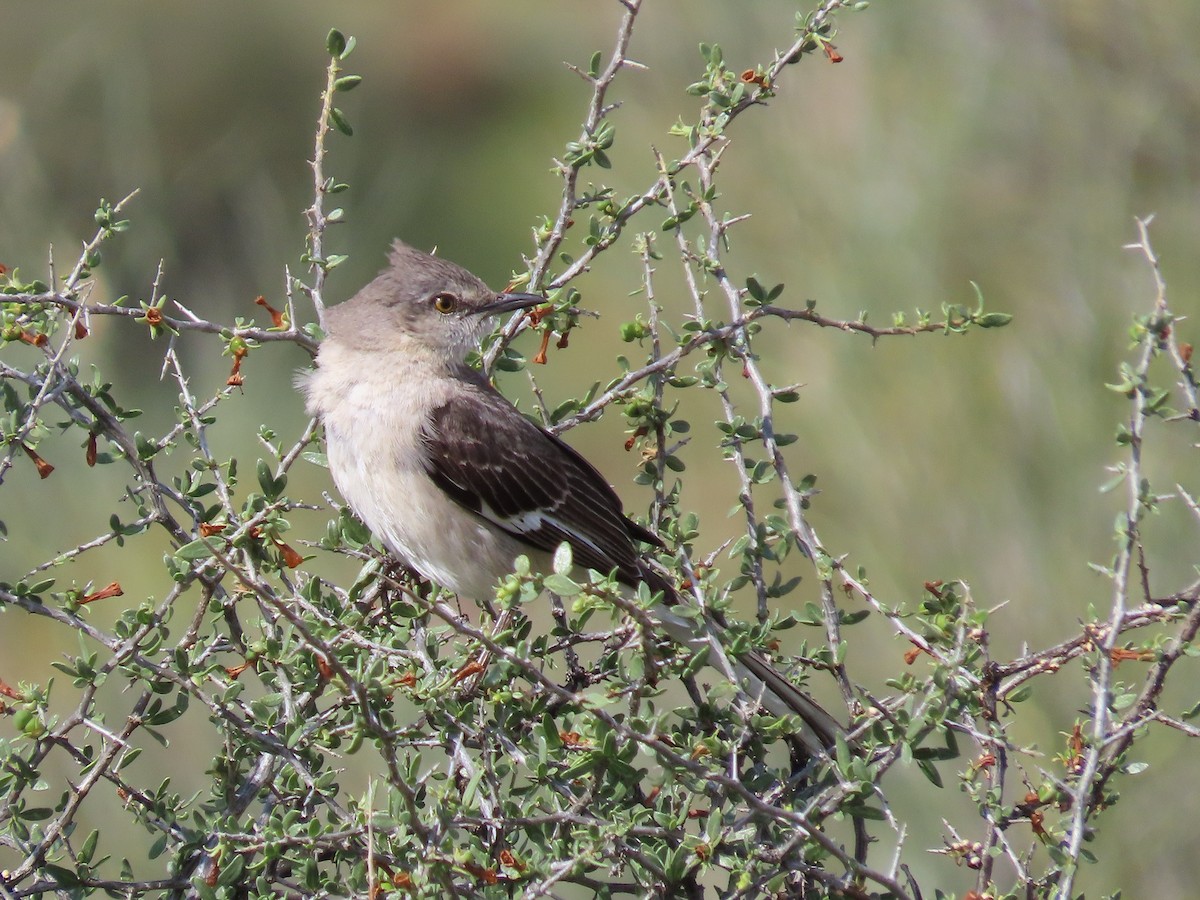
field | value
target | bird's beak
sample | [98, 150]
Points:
[509, 303]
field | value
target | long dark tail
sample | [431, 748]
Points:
[755, 675]
[783, 698]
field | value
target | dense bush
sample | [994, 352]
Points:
[510, 752]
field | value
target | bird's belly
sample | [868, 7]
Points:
[372, 409]
[417, 521]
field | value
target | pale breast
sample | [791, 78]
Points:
[373, 406]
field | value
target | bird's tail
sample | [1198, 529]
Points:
[772, 689]
[755, 675]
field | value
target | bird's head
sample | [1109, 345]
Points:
[422, 301]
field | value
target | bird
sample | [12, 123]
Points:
[457, 483]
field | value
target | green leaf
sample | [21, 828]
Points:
[508, 364]
[550, 732]
[862, 811]
[347, 82]
[561, 585]
[63, 878]
[146, 448]
[168, 714]
[40, 587]
[842, 752]
[756, 290]
[271, 486]
[130, 756]
[316, 458]
[197, 549]
[853, 618]
[159, 845]
[88, 850]
[335, 42]
[993, 320]
[562, 559]
[339, 121]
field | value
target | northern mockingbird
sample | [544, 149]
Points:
[457, 483]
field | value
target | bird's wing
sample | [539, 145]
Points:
[505, 469]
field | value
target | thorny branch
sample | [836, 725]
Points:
[1112, 734]
[329, 658]
[660, 187]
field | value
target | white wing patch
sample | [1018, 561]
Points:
[534, 521]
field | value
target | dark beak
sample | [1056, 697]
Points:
[505, 303]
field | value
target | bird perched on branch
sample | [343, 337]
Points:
[457, 483]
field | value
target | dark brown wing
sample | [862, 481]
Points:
[529, 483]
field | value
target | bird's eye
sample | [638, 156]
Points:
[445, 303]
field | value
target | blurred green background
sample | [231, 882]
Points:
[1007, 144]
